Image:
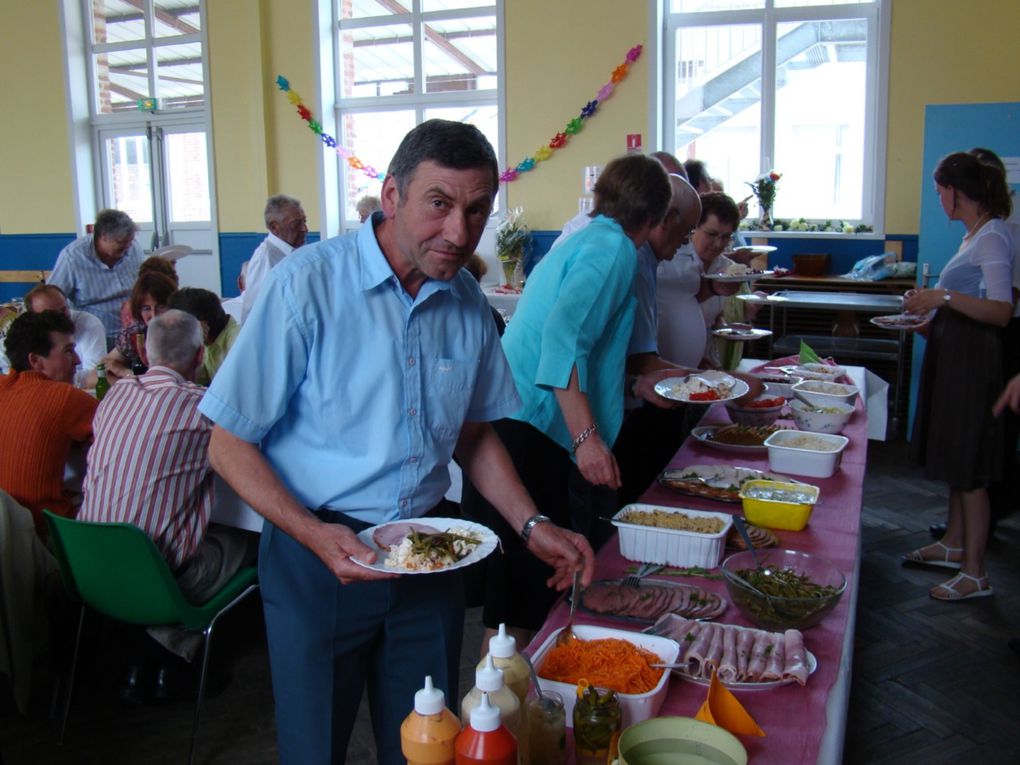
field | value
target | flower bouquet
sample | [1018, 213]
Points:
[764, 189]
[513, 244]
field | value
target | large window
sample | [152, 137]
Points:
[401, 62]
[786, 85]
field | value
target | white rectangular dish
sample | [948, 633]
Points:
[635, 706]
[672, 547]
[790, 451]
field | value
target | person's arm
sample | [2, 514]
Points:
[644, 370]
[117, 365]
[994, 312]
[594, 459]
[485, 461]
[242, 465]
[1010, 397]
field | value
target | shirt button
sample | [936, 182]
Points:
[412, 460]
[412, 411]
[403, 503]
[410, 361]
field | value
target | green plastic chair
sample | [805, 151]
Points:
[117, 570]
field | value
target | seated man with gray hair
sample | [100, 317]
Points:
[288, 227]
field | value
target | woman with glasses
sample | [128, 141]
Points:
[688, 303]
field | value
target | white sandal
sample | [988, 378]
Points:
[917, 558]
[981, 582]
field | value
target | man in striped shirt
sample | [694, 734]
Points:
[149, 464]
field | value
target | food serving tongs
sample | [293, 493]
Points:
[646, 569]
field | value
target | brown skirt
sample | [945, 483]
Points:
[955, 437]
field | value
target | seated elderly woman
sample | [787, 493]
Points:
[219, 330]
[148, 299]
[567, 348]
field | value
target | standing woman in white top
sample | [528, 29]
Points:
[956, 438]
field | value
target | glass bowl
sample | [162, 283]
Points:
[779, 613]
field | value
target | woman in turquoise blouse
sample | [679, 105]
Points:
[567, 347]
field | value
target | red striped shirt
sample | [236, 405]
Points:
[149, 464]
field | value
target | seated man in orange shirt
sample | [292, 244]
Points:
[41, 413]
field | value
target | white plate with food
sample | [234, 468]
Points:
[427, 545]
[702, 388]
[720, 482]
[755, 298]
[650, 600]
[750, 275]
[743, 439]
[741, 334]
[899, 322]
[764, 685]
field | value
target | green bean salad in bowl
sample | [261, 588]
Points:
[792, 590]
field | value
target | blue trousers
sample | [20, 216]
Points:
[328, 641]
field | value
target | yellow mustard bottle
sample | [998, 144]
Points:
[428, 735]
[516, 677]
[489, 680]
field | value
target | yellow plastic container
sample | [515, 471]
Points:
[775, 513]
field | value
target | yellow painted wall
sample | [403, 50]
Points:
[555, 64]
[942, 52]
[36, 193]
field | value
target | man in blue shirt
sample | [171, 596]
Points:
[366, 362]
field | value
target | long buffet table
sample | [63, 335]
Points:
[803, 724]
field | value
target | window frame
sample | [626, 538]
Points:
[334, 168]
[769, 17]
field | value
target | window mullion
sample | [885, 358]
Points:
[768, 91]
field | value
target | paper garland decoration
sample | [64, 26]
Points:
[558, 141]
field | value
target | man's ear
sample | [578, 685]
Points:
[199, 356]
[36, 362]
[390, 196]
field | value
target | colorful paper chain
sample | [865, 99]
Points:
[509, 175]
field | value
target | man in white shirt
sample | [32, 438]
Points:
[288, 227]
[89, 334]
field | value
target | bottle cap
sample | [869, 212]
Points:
[485, 717]
[429, 700]
[502, 645]
[488, 678]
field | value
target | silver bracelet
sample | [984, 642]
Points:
[531, 523]
[583, 436]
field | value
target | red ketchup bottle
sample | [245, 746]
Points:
[485, 741]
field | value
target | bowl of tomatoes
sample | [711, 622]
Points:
[763, 410]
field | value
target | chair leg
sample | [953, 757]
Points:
[207, 645]
[70, 677]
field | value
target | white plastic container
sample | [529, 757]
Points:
[789, 452]
[672, 547]
[820, 393]
[635, 706]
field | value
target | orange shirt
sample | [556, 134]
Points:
[39, 421]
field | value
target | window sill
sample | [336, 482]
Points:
[755, 234]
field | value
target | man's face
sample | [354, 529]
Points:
[674, 232]
[292, 227]
[50, 300]
[439, 220]
[711, 238]
[60, 363]
[111, 249]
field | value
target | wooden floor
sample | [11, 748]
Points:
[932, 682]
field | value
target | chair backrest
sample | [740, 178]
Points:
[118, 570]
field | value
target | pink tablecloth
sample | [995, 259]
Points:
[794, 718]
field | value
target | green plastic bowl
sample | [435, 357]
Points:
[679, 741]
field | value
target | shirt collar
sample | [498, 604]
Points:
[279, 244]
[375, 269]
[157, 371]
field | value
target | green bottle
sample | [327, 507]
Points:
[102, 383]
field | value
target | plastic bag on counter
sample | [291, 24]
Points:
[873, 268]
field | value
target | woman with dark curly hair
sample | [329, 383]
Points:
[148, 299]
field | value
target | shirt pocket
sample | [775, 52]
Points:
[449, 386]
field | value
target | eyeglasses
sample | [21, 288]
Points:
[724, 239]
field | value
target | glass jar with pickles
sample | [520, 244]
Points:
[597, 722]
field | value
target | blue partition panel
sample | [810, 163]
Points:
[235, 249]
[28, 252]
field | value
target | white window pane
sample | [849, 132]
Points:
[128, 177]
[176, 17]
[700, 6]
[820, 103]
[718, 101]
[363, 9]
[808, 3]
[122, 77]
[179, 76]
[377, 61]
[372, 137]
[447, 5]
[116, 21]
[460, 54]
[188, 177]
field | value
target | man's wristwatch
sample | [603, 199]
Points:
[946, 297]
[531, 523]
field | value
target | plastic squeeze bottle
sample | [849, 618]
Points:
[516, 677]
[428, 735]
[489, 680]
[486, 741]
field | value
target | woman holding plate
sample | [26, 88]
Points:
[567, 348]
[956, 438]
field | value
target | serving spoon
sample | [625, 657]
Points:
[567, 635]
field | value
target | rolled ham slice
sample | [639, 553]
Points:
[759, 656]
[715, 651]
[775, 662]
[796, 665]
[698, 650]
[392, 534]
[728, 666]
[745, 643]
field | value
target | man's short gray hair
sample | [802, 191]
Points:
[172, 340]
[277, 206]
[115, 224]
